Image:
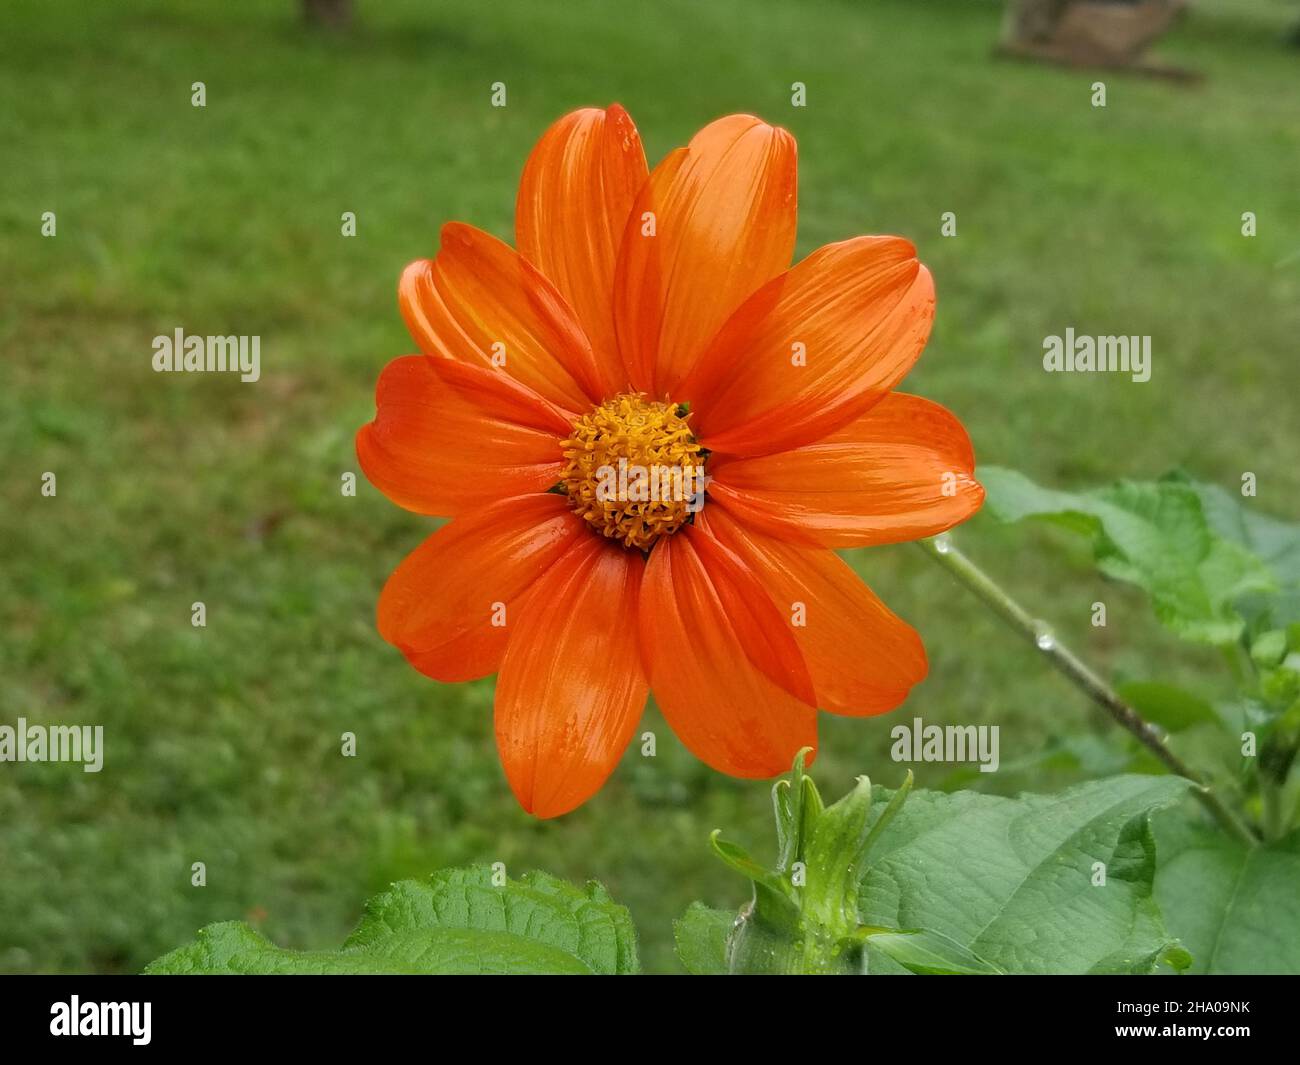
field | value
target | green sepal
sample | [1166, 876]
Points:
[833, 855]
[774, 896]
[803, 916]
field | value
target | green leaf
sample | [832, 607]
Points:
[1268, 648]
[1011, 880]
[1274, 541]
[455, 922]
[1235, 907]
[1010, 496]
[1155, 535]
[1172, 955]
[701, 935]
[1169, 706]
[930, 954]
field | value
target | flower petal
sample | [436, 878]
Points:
[483, 303]
[433, 453]
[571, 689]
[449, 604]
[706, 625]
[863, 658]
[574, 198]
[903, 470]
[499, 396]
[724, 224]
[813, 349]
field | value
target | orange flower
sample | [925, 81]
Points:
[654, 321]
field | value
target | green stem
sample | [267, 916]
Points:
[943, 551]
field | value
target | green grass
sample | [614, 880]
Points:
[223, 743]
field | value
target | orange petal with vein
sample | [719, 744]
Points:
[723, 212]
[482, 302]
[903, 470]
[574, 198]
[571, 689]
[433, 453]
[699, 650]
[863, 658]
[497, 395]
[448, 606]
[815, 348]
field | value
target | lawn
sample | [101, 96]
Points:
[222, 743]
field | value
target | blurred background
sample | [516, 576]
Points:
[222, 743]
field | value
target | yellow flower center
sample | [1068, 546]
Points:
[635, 471]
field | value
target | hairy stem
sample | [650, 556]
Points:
[943, 551]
